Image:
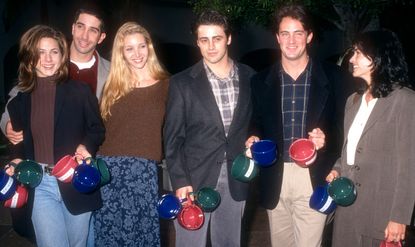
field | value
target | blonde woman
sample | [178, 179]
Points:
[133, 107]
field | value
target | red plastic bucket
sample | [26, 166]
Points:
[19, 199]
[303, 152]
[65, 168]
[191, 216]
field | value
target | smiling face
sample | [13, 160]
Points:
[50, 57]
[213, 43]
[135, 51]
[293, 39]
[362, 66]
[86, 34]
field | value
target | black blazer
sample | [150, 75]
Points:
[194, 136]
[328, 93]
[77, 121]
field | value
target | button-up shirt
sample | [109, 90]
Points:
[356, 129]
[226, 91]
[294, 100]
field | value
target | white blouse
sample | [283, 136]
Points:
[356, 129]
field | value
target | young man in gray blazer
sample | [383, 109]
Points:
[207, 118]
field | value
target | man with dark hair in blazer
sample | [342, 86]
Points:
[298, 97]
[207, 118]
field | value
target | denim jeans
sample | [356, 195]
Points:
[91, 233]
[54, 225]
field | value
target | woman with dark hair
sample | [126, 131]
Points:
[58, 117]
[378, 151]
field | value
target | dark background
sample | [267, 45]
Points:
[168, 21]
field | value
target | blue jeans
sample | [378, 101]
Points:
[54, 225]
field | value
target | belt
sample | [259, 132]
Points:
[47, 168]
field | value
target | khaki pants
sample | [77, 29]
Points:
[293, 223]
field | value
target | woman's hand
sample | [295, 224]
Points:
[9, 168]
[318, 137]
[332, 175]
[395, 232]
[81, 153]
[248, 144]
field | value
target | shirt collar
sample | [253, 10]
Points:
[210, 73]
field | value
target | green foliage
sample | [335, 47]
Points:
[259, 12]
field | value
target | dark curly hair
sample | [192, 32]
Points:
[390, 69]
[94, 9]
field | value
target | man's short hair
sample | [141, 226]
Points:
[294, 11]
[94, 9]
[212, 17]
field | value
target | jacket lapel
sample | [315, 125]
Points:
[352, 111]
[378, 111]
[317, 96]
[271, 109]
[243, 100]
[350, 114]
[203, 91]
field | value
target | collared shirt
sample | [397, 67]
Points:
[356, 129]
[294, 100]
[226, 91]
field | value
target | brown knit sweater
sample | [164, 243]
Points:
[136, 122]
[42, 118]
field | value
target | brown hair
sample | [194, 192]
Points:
[296, 12]
[29, 55]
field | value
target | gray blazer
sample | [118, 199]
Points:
[103, 71]
[194, 137]
[384, 169]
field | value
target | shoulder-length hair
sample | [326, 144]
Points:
[120, 76]
[390, 69]
[29, 56]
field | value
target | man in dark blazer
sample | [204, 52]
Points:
[298, 97]
[208, 113]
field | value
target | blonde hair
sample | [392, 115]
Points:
[120, 75]
[29, 56]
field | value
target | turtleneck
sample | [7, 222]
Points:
[42, 118]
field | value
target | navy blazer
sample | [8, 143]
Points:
[194, 136]
[328, 94]
[77, 121]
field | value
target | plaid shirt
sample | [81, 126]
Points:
[226, 91]
[295, 94]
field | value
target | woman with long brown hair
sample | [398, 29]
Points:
[58, 117]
